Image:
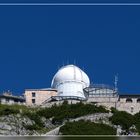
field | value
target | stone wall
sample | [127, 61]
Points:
[102, 99]
[107, 101]
[118, 103]
[131, 107]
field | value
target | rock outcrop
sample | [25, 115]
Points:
[16, 125]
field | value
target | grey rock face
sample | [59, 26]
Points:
[97, 117]
[14, 125]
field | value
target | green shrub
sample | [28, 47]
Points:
[35, 117]
[13, 109]
[32, 127]
[67, 111]
[123, 119]
[136, 119]
[58, 113]
[7, 110]
[113, 110]
[86, 128]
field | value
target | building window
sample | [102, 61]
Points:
[138, 100]
[132, 109]
[33, 94]
[33, 101]
[128, 100]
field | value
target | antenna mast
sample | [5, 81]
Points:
[116, 83]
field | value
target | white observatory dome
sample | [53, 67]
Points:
[70, 81]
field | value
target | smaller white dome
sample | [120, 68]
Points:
[70, 73]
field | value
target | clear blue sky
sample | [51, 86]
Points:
[36, 40]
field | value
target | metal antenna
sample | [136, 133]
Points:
[116, 82]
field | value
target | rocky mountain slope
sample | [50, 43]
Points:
[22, 120]
[18, 125]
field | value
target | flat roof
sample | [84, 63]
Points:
[42, 89]
[129, 95]
[12, 97]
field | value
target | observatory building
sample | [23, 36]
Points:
[67, 84]
[70, 81]
[72, 84]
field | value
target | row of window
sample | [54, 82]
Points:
[129, 100]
